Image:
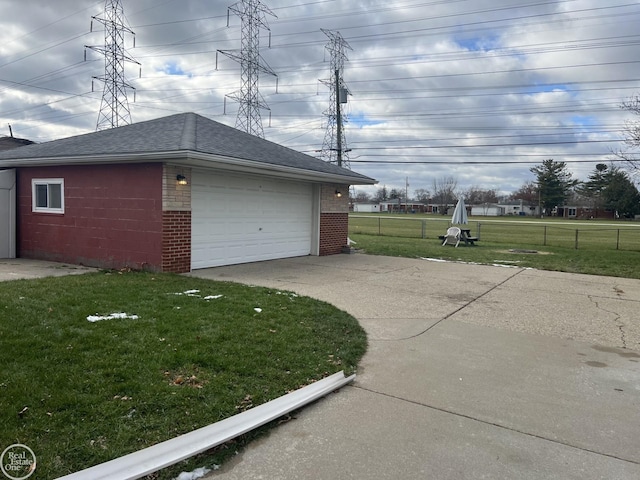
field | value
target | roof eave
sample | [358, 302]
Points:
[195, 159]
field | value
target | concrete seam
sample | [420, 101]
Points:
[493, 424]
[463, 306]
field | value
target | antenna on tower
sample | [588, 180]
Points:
[334, 147]
[253, 15]
[114, 108]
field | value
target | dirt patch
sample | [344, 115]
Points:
[524, 251]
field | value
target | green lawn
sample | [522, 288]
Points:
[553, 232]
[81, 393]
[602, 247]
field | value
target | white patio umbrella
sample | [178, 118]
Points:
[460, 213]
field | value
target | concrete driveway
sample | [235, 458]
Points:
[472, 372]
[23, 268]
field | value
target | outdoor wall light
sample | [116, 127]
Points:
[338, 193]
[182, 180]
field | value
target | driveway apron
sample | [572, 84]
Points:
[472, 371]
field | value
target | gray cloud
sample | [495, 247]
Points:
[442, 83]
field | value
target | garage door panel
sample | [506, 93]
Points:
[239, 220]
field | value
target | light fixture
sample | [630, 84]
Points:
[338, 193]
[182, 180]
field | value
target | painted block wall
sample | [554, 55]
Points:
[334, 218]
[113, 216]
[176, 220]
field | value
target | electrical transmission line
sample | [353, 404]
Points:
[253, 16]
[334, 146]
[114, 107]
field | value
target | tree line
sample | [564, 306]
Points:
[608, 187]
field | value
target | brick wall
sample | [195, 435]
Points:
[334, 218]
[176, 220]
[333, 232]
[112, 217]
[176, 241]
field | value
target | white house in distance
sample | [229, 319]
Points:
[367, 208]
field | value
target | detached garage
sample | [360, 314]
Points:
[174, 194]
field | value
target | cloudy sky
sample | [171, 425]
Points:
[479, 90]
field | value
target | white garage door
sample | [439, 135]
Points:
[239, 219]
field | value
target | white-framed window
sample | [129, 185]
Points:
[47, 195]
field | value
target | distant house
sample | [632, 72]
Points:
[487, 210]
[398, 205]
[519, 207]
[582, 212]
[360, 207]
[172, 194]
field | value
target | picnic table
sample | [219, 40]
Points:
[465, 236]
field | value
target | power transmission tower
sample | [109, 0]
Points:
[334, 147]
[253, 16]
[114, 107]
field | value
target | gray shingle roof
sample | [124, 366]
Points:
[185, 132]
[8, 143]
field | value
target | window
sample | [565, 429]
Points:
[47, 195]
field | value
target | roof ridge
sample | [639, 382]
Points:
[188, 138]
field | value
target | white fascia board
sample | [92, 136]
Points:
[151, 459]
[249, 166]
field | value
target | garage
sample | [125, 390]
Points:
[243, 218]
[172, 194]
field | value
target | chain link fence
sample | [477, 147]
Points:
[596, 236]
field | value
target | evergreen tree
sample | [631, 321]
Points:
[554, 183]
[620, 194]
[592, 189]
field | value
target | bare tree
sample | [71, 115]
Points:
[528, 192]
[422, 195]
[631, 133]
[478, 196]
[444, 192]
[362, 197]
[381, 194]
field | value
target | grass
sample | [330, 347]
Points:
[553, 232]
[616, 263]
[81, 393]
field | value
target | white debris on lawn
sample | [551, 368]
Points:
[290, 294]
[258, 309]
[189, 293]
[196, 293]
[197, 473]
[213, 297]
[113, 316]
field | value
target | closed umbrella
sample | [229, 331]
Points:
[460, 213]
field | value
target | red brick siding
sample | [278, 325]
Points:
[176, 241]
[333, 232]
[113, 216]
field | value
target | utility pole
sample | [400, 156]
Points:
[334, 146]
[338, 120]
[253, 16]
[114, 107]
[406, 194]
